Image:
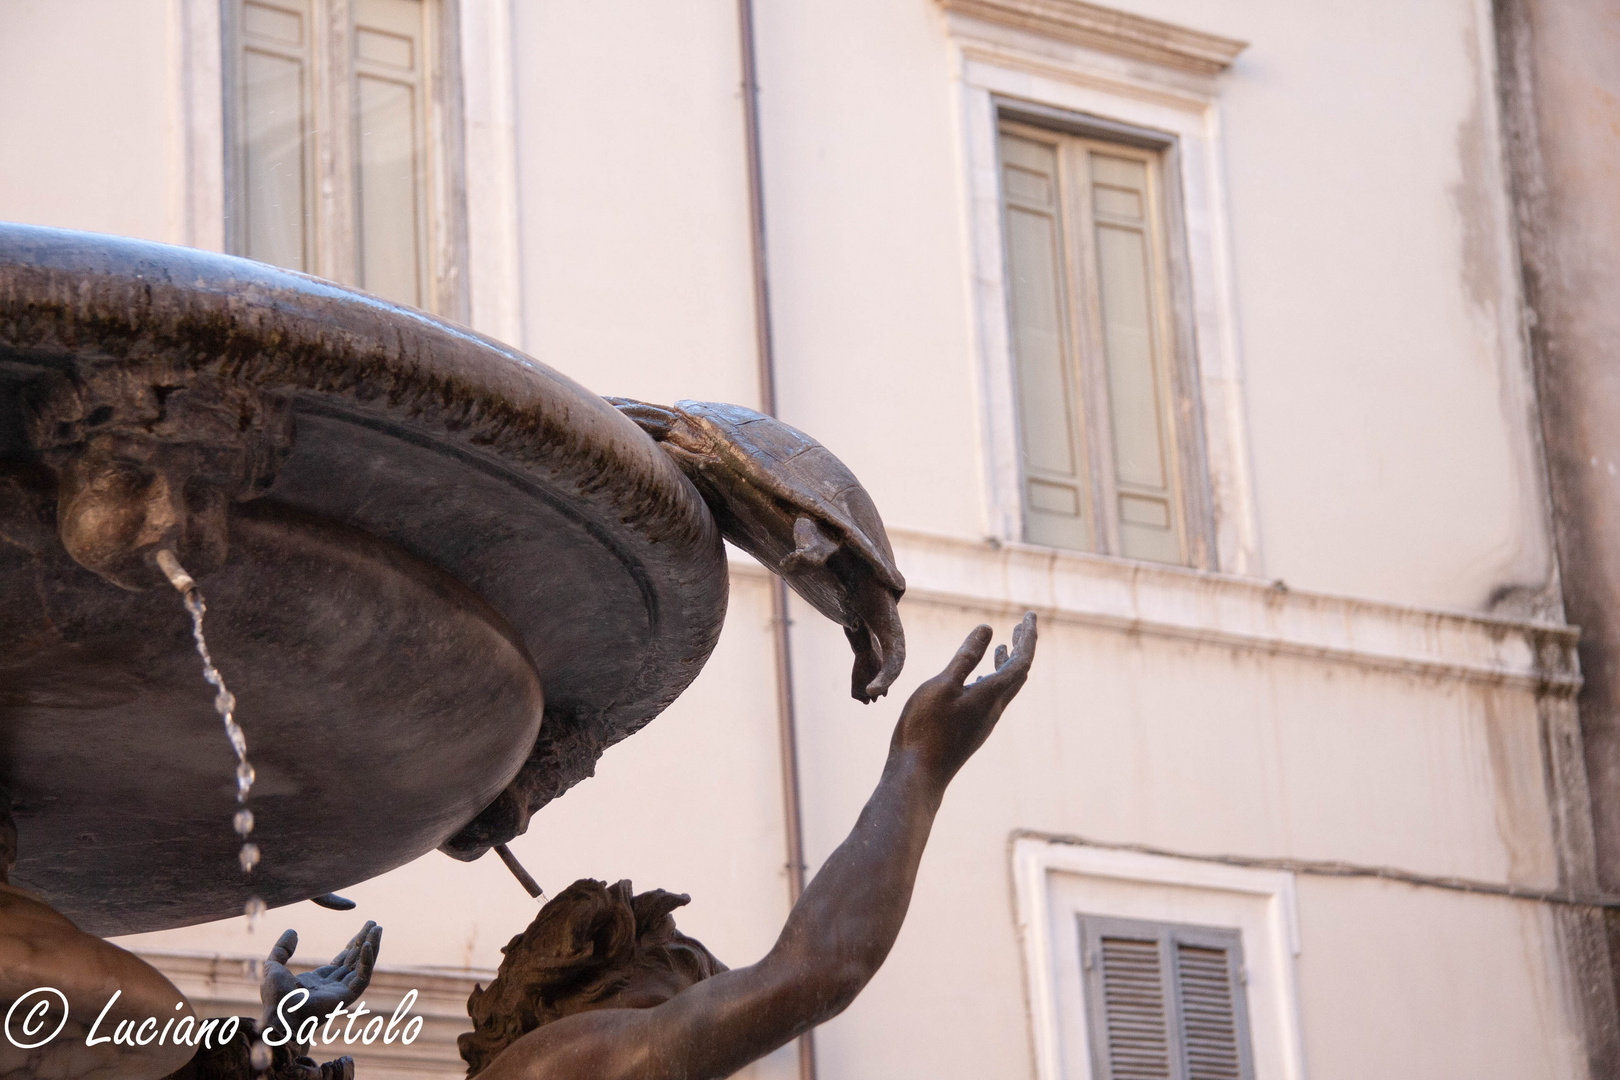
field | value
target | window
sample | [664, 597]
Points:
[1155, 966]
[1164, 1000]
[1104, 443]
[339, 135]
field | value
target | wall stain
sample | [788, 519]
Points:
[1481, 201]
[1514, 752]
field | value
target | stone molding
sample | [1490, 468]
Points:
[1109, 31]
[1005, 579]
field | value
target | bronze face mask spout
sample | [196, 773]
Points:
[114, 509]
[154, 462]
[123, 499]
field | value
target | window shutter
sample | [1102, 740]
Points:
[1093, 345]
[1043, 346]
[338, 127]
[391, 137]
[1208, 1013]
[1165, 1001]
[1129, 312]
[1134, 1008]
[273, 153]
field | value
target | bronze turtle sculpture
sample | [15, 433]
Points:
[788, 501]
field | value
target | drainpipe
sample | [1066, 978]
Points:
[765, 352]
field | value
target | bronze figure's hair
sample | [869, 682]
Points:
[582, 949]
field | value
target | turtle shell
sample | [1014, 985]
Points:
[795, 468]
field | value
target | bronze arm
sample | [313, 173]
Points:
[837, 935]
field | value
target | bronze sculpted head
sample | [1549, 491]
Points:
[593, 946]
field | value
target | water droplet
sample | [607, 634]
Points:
[254, 908]
[225, 705]
[260, 1056]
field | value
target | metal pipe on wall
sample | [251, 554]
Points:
[765, 352]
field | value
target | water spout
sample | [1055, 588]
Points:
[225, 705]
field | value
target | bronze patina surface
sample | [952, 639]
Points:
[407, 534]
[788, 501]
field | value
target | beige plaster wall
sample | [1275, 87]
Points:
[633, 199]
[1388, 402]
[1388, 417]
[89, 136]
[1204, 750]
[868, 256]
[1386, 398]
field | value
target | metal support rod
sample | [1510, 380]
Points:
[530, 886]
[765, 355]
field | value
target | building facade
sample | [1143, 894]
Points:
[1199, 329]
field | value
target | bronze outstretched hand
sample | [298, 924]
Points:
[945, 722]
[340, 982]
[603, 987]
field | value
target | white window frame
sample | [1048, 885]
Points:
[1055, 882]
[492, 292]
[1000, 66]
[1179, 408]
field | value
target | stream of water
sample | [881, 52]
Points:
[225, 705]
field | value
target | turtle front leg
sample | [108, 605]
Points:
[656, 420]
[879, 642]
[868, 662]
[811, 546]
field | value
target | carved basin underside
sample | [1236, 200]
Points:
[453, 531]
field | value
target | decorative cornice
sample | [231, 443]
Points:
[1108, 30]
[1004, 580]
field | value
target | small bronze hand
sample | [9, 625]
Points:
[339, 983]
[945, 722]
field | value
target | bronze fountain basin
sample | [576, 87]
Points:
[434, 566]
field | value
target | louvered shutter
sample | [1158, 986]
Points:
[1135, 1008]
[1165, 1001]
[1208, 992]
